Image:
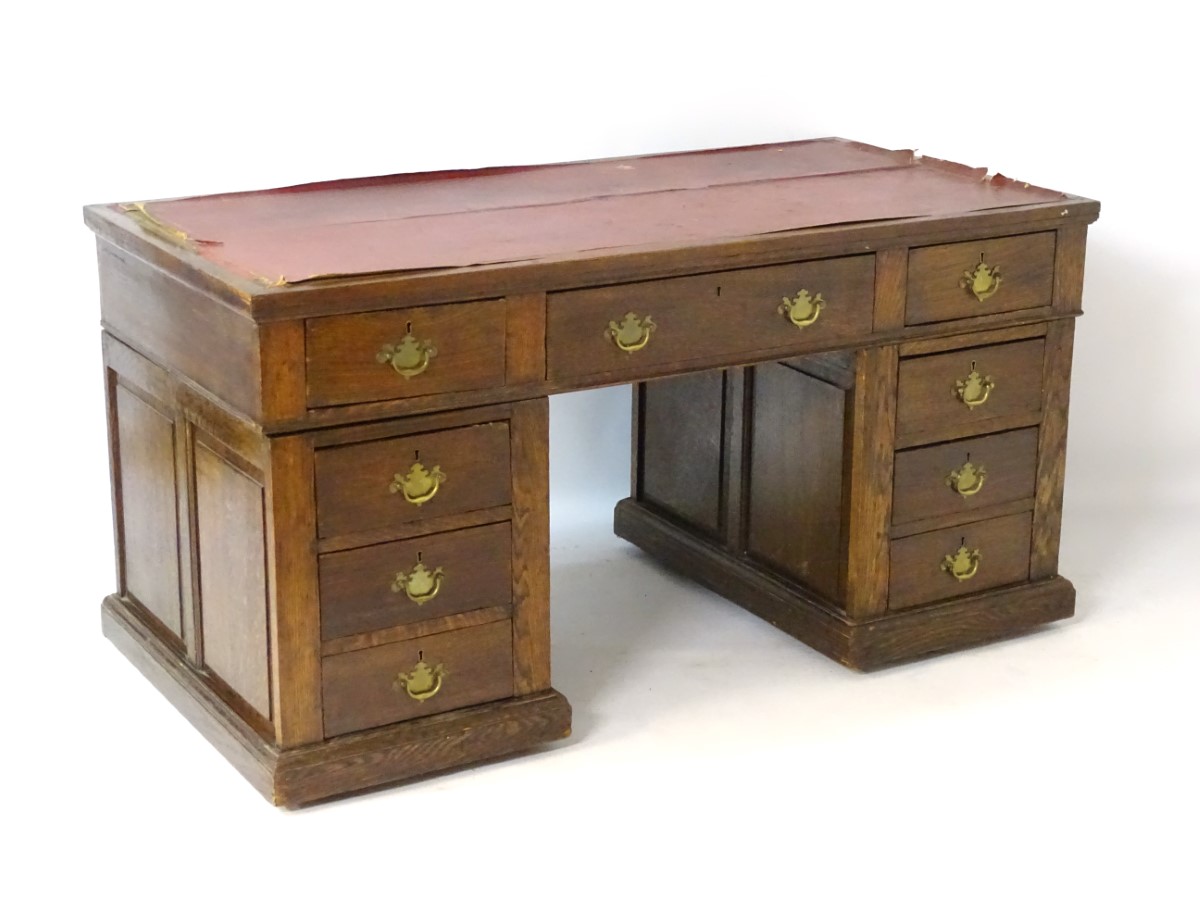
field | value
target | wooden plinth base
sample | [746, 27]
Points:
[355, 762]
[862, 645]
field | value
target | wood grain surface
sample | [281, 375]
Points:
[917, 575]
[356, 585]
[1009, 461]
[1025, 266]
[361, 689]
[353, 482]
[468, 339]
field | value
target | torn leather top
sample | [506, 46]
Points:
[467, 218]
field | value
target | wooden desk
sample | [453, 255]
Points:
[328, 423]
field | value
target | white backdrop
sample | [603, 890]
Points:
[711, 754]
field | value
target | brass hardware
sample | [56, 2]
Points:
[975, 389]
[422, 682]
[632, 334]
[803, 309]
[967, 481]
[410, 357]
[963, 564]
[419, 484]
[420, 585]
[157, 227]
[983, 281]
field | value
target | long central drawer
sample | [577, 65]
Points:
[627, 328]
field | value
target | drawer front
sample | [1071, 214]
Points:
[962, 560]
[626, 328]
[405, 353]
[964, 475]
[408, 679]
[947, 390]
[401, 582]
[979, 278]
[416, 478]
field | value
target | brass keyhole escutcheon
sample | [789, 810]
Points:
[983, 281]
[967, 479]
[418, 484]
[422, 682]
[975, 389]
[632, 333]
[410, 357]
[419, 584]
[803, 309]
[963, 564]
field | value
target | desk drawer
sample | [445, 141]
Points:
[979, 278]
[405, 353]
[394, 682]
[402, 582]
[962, 476]
[984, 555]
[695, 317]
[378, 484]
[949, 390]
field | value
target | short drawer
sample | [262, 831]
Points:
[627, 328]
[949, 562]
[405, 353]
[407, 679]
[401, 582]
[979, 278]
[962, 476]
[379, 484]
[947, 390]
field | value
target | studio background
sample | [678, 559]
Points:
[711, 753]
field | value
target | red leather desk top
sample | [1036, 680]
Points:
[467, 218]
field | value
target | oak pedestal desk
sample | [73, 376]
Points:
[328, 428]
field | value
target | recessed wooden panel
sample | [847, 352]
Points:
[681, 446]
[361, 689]
[148, 508]
[1008, 461]
[474, 566]
[927, 399]
[353, 482]
[698, 316]
[233, 582]
[917, 575]
[468, 339]
[938, 287]
[795, 521]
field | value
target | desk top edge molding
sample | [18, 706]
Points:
[400, 290]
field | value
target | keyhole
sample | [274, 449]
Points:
[408, 328]
[417, 453]
[418, 556]
[718, 290]
[420, 656]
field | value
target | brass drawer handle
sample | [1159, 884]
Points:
[803, 309]
[422, 682]
[419, 484]
[633, 333]
[983, 281]
[975, 389]
[419, 585]
[410, 357]
[967, 480]
[963, 564]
